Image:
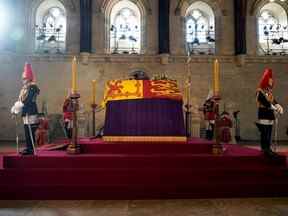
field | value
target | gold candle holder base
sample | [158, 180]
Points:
[73, 149]
[217, 149]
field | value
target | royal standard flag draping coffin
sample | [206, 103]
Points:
[140, 89]
[143, 110]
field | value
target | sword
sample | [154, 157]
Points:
[275, 143]
[16, 133]
[62, 123]
[277, 112]
[31, 134]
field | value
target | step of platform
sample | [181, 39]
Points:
[138, 161]
[144, 171]
[145, 176]
[144, 148]
[122, 190]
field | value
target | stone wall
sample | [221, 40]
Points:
[239, 75]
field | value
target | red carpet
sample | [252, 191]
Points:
[142, 171]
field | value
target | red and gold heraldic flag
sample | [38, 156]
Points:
[141, 89]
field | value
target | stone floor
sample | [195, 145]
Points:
[219, 207]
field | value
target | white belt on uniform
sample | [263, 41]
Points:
[30, 119]
[266, 122]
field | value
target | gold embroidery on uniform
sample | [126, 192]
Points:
[268, 95]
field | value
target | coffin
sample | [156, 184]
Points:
[143, 111]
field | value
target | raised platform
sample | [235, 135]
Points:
[141, 171]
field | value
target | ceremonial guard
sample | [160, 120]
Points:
[26, 104]
[42, 131]
[268, 108]
[225, 125]
[209, 115]
[237, 125]
[68, 117]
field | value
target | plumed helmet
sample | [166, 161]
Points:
[267, 75]
[28, 73]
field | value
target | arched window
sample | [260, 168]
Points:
[4, 15]
[125, 28]
[272, 30]
[200, 29]
[50, 28]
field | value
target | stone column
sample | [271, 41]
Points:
[240, 8]
[85, 25]
[163, 26]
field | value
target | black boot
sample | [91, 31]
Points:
[272, 155]
[27, 152]
[275, 158]
[209, 134]
[266, 142]
[29, 146]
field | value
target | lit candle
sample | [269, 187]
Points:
[216, 78]
[93, 91]
[74, 75]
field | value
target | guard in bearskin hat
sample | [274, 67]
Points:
[268, 107]
[26, 105]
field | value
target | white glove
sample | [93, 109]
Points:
[279, 109]
[17, 108]
[12, 110]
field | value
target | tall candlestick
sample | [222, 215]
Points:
[188, 88]
[74, 75]
[188, 80]
[216, 78]
[188, 65]
[188, 106]
[93, 91]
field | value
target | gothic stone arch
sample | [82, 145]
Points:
[145, 3]
[183, 5]
[257, 4]
[70, 5]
